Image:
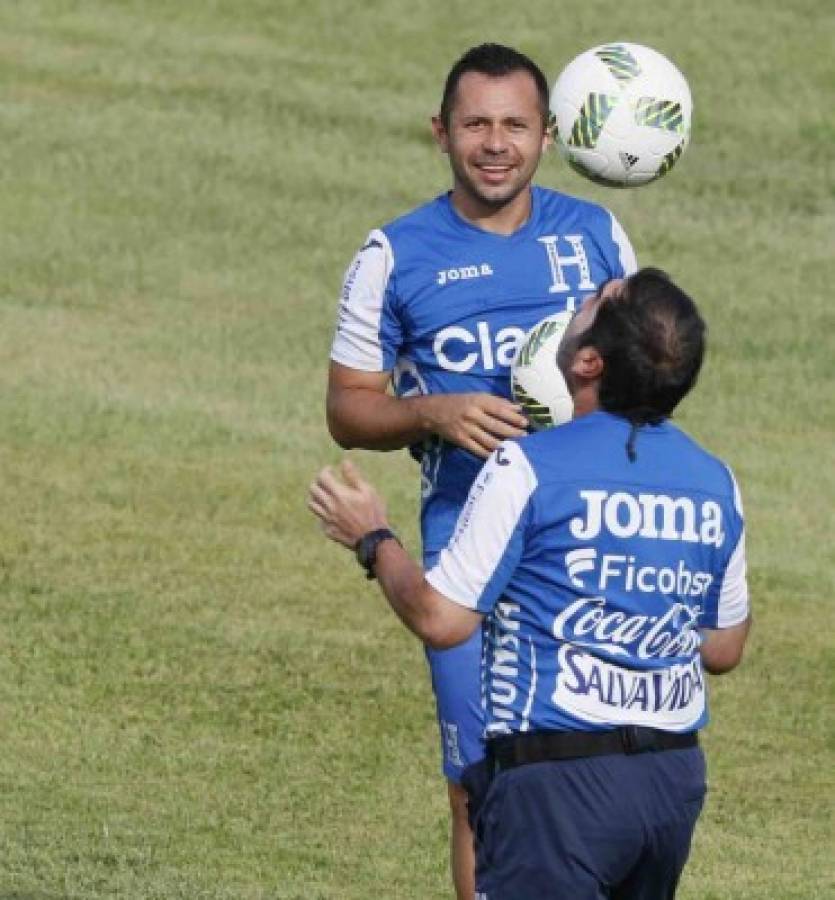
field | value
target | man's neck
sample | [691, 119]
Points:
[585, 401]
[505, 220]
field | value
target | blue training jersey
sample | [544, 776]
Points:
[595, 573]
[443, 305]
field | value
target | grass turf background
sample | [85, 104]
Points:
[200, 697]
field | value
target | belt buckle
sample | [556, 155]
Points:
[635, 739]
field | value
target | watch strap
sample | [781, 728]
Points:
[366, 548]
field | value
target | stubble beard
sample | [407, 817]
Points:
[504, 196]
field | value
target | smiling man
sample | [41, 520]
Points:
[493, 131]
[435, 305]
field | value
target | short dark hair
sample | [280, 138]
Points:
[652, 340]
[494, 60]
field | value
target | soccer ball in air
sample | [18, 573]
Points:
[622, 114]
[536, 380]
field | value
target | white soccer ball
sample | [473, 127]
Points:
[623, 114]
[536, 380]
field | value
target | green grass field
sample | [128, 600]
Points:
[200, 697]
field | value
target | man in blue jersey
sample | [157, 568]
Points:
[436, 303]
[605, 560]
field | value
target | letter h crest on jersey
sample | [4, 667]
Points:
[558, 263]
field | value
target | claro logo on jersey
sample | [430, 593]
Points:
[655, 516]
[459, 350]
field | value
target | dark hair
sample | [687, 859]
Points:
[494, 60]
[651, 339]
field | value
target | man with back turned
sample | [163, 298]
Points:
[604, 561]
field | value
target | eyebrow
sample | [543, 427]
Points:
[509, 117]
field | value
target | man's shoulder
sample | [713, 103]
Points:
[710, 466]
[547, 451]
[556, 203]
[427, 216]
[595, 444]
[567, 215]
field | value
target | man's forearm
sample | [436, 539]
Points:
[361, 413]
[349, 510]
[376, 421]
[401, 580]
[436, 620]
[721, 649]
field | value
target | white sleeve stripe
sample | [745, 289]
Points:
[353, 360]
[733, 595]
[737, 494]
[627, 255]
[496, 502]
[442, 583]
[357, 342]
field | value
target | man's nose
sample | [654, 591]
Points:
[495, 139]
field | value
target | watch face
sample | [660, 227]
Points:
[364, 551]
[367, 548]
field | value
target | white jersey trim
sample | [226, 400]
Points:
[494, 506]
[357, 343]
[627, 255]
[733, 595]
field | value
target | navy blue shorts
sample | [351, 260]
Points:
[600, 828]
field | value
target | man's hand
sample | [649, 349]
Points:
[347, 507]
[476, 422]
[612, 288]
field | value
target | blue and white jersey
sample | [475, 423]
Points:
[595, 574]
[444, 305]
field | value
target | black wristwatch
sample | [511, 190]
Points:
[366, 548]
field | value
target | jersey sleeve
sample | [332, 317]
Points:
[368, 332]
[728, 604]
[625, 262]
[487, 544]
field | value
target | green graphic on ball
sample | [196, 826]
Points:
[590, 121]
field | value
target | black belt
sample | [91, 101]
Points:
[543, 746]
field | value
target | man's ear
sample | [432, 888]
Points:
[440, 134]
[548, 137]
[587, 364]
